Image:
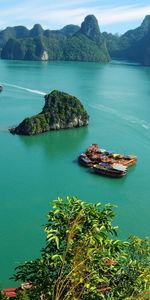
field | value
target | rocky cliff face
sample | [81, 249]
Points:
[146, 23]
[90, 28]
[61, 111]
[90, 35]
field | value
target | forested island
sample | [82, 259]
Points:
[61, 111]
[75, 43]
[134, 45]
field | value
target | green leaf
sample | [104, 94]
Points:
[56, 211]
[57, 256]
[56, 240]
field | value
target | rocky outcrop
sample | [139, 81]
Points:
[44, 55]
[91, 29]
[61, 111]
[90, 41]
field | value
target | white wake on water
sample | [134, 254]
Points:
[130, 118]
[4, 129]
[24, 88]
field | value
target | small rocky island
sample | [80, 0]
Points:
[61, 111]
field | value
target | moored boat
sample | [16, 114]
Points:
[1, 88]
[106, 169]
[84, 160]
[97, 155]
[106, 162]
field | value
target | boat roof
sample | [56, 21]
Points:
[119, 167]
[115, 154]
[103, 150]
[105, 164]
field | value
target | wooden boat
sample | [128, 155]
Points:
[84, 160]
[106, 169]
[97, 155]
[1, 88]
[106, 163]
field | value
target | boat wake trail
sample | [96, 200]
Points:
[4, 129]
[23, 88]
[130, 118]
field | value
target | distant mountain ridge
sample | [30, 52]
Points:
[85, 43]
[133, 45]
[75, 43]
[17, 32]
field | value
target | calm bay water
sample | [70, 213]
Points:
[35, 170]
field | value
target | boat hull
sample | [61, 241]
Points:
[84, 162]
[108, 173]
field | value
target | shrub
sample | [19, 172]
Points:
[82, 258]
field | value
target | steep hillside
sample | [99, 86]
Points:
[70, 43]
[133, 45]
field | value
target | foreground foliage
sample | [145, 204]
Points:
[83, 260]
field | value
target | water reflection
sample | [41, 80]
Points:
[56, 143]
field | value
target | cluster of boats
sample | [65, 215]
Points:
[105, 162]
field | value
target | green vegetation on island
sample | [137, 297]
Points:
[134, 45]
[70, 43]
[60, 111]
[85, 43]
[83, 259]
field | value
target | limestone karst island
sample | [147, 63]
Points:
[85, 43]
[61, 111]
[76, 43]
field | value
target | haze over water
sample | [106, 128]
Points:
[35, 170]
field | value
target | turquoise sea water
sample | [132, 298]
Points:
[35, 170]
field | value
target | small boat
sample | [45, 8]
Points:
[1, 88]
[84, 160]
[111, 170]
